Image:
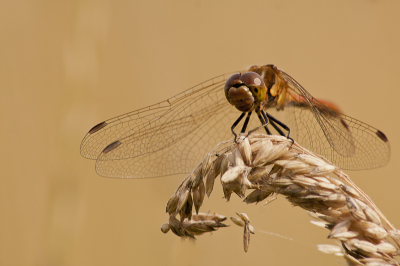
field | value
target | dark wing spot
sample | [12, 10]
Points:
[111, 146]
[381, 136]
[344, 124]
[97, 127]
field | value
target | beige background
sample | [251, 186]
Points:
[67, 65]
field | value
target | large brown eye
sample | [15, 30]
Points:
[252, 79]
[230, 81]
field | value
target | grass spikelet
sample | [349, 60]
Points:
[272, 165]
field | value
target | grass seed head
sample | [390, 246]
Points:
[271, 165]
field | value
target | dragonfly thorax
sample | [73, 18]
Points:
[245, 91]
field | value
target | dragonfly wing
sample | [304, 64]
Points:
[345, 141]
[158, 138]
[179, 158]
[154, 127]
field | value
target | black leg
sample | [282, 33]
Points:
[277, 128]
[267, 130]
[279, 123]
[246, 122]
[235, 124]
[273, 124]
[262, 123]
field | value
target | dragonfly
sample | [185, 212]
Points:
[173, 136]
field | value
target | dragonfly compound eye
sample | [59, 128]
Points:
[232, 81]
[256, 85]
[252, 79]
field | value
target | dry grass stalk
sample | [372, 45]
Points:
[271, 165]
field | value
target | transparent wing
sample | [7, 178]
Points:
[345, 141]
[179, 158]
[163, 139]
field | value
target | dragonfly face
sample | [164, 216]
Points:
[245, 91]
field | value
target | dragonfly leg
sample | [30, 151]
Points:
[277, 128]
[235, 124]
[267, 130]
[246, 122]
[263, 122]
[273, 119]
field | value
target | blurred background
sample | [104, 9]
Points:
[68, 65]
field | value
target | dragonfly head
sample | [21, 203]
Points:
[245, 91]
